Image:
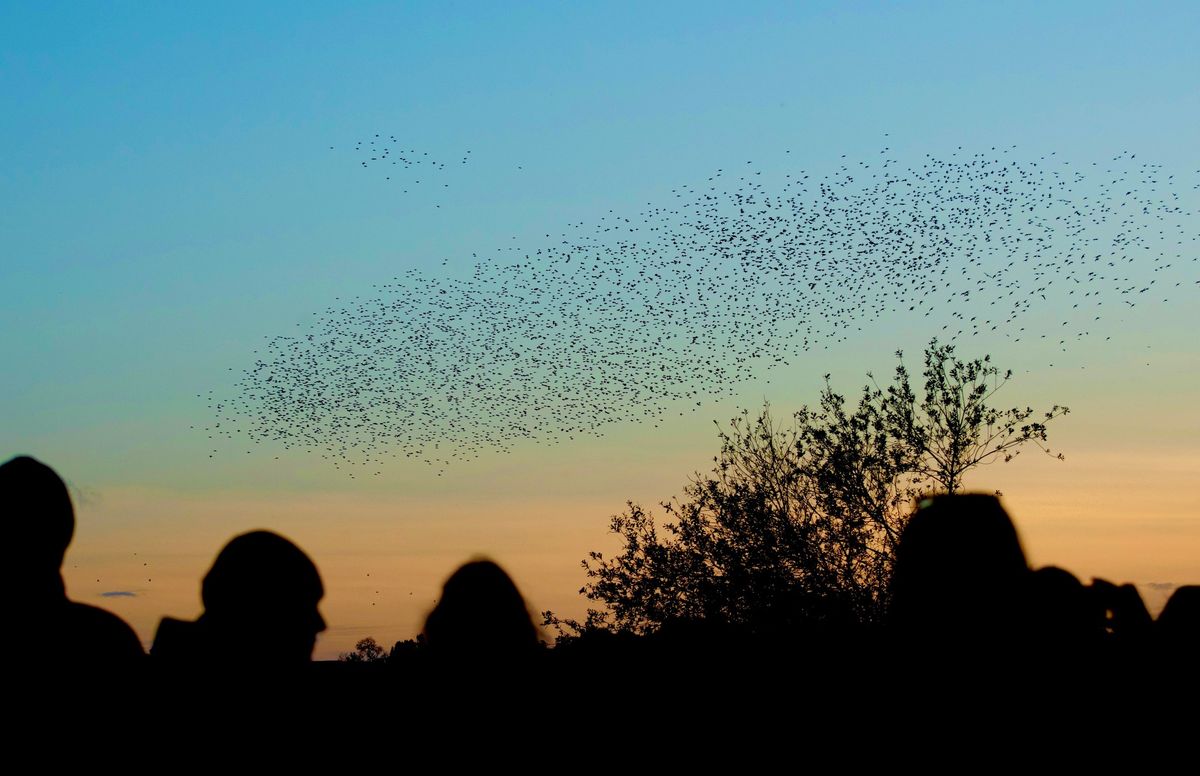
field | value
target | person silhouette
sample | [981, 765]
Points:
[1064, 617]
[481, 614]
[261, 594]
[960, 576]
[39, 521]
[1178, 624]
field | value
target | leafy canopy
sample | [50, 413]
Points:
[797, 524]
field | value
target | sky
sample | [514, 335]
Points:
[179, 185]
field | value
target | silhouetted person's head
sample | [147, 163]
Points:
[960, 571]
[39, 520]
[1062, 611]
[1178, 625]
[481, 613]
[262, 592]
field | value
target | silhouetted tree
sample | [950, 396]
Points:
[365, 651]
[408, 648]
[796, 526]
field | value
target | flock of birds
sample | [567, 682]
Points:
[385, 151]
[643, 314]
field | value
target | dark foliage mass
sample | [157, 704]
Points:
[653, 312]
[365, 651]
[797, 526]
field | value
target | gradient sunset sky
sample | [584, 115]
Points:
[178, 186]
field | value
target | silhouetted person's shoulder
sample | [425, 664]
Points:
[107, 637]
[179, 641]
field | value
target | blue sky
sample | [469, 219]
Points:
[170, 196]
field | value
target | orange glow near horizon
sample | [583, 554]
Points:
[1120, 516]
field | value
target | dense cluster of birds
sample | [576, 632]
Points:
[648, 313]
